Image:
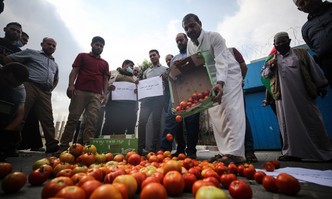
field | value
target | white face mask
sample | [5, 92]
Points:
[130, 70]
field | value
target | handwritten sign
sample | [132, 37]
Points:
[124, 91]
[151, 87]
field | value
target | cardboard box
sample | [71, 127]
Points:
[186, 77]
[115, 144]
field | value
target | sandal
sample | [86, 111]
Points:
[227, 159]
[289, 158]
[215, 158]
[251, 157]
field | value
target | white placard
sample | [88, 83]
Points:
[150, 87]
[124, 91]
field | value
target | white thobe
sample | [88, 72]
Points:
[228, 118]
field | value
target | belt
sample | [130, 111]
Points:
[40, 86]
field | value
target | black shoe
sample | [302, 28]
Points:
[40, 149]
[52, 149]
[192, 156]
[12, 153]
[289, 158]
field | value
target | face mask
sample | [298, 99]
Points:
[130, 70]
[283, 48]
[18, 43]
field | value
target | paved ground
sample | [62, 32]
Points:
[308, 190]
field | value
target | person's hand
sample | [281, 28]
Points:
[218, 89]
[265, 103]
[322, 92]
[70, 91]
[112, 87]
[164, 76]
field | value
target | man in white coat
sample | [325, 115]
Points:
[228, 118]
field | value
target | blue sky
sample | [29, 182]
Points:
[132, 27]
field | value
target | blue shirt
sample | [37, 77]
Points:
[42, 69]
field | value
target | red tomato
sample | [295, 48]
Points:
[198, 184]
[210, 192]
[71, 192]
[153, 190]
[240, 169]
[87, 158]
[214, 180]
[239, 189]
[232, 168]
[84, 179]
[174, 183]
[199, 95]
[169, 137]
[183, 104]
[172, 165]
[130, 183]
[149, 180]
[270, 184]
[226, 179]
[206, 92]
[65, 172]
[13, 182]
[194, 96]
[109, 156]
[178, 108]
[249, 171]
[90, 186]
[221, 169]
[178, 118]
[76, 149]
[53, 186]
[134, 159]
[38, 176]
[40, 162]
[5, 168]
[122, 188]
[258, 176]
[189, 180]
[287, 184]
[276, 163]
[112, 175]
[106, 191]
[140, 177]
[269, 166]
[195, 171]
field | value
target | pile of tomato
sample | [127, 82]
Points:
[81, 172]
[196, 97]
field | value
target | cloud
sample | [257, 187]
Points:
[252, 27]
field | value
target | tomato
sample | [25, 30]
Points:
[52, 187]
[232, 168]
[40, 162]
[87, 158]
[183, 104]
[258, 176]
[76, 149]
[194, 96]
[140, 177]
[178, 108]
[119, 157]
[5, 168]
[149, 180]
[249, 171]
[90, 148]
[210, 173]
[198, 184]
[287, 184]
[67, 157]
[65, 172]
[268, 166]
[172, 165]
[130, 183]
[199, 95]
[84, 179]
[77, 177]
[109, 156]
[174, 183]
[270, 184]
[239, 189]
[80, 169]
[90, 186]
[178, 118]
[169, 137]
[122, 188]
[226, 179]
[71, 192]
[100, 158]
[106, 191]
[214, 180]
[47, 168]
[59, 167]
[38, 176]
[276, 163]
[13, 182]
[210, 192]
[96, 173]
[153, 190]
[109, 178]
[134, 159]
[240, 169]
[189, 180]
[221, 169]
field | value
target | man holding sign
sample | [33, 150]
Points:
[151, 105]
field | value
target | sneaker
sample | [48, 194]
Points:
[192, 156]
[53, 149]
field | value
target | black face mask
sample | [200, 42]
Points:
[283, 48]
